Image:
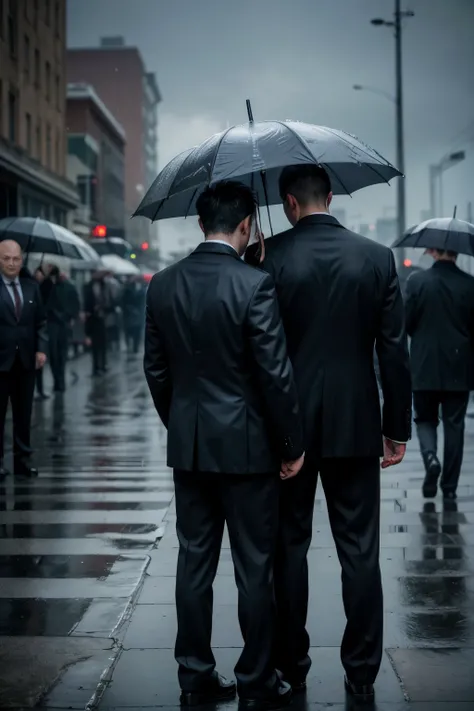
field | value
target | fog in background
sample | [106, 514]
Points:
[299, 60]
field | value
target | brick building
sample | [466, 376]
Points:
[96, 160]
[120, 79]
[33, 110]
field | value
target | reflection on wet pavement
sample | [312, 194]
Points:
[75, 543]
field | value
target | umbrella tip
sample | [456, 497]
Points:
[455, 211]
[249, 110]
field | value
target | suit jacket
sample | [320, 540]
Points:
[440, 321]
[339, 296]
[94, 315]
[26, 336]
[217, 366]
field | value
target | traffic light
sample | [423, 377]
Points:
[99, 231]
[145, 246]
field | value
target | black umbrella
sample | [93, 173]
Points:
[443, 233]
[36, 235]
[255, 153]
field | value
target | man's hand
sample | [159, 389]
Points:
[291, 469]
[393, 453]
[40, 360]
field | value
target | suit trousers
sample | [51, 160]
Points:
[352, 490]
[18, 387]
[98, 336]
[248, 504]
[58, 334]
[453, 405]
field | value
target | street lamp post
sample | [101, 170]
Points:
[396, 23]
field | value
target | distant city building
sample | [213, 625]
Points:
[386, 230]
[130, 92]
[32, 111]
[340, 215]
[96, 161]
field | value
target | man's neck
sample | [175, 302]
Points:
[313, 210]
[221, 238]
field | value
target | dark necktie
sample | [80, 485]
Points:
[16, 297]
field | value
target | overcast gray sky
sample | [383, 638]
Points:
[299, 59]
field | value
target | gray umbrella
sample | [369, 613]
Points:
[34, 234]
[444, 233]
[255, 153]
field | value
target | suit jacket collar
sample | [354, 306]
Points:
[319, 219]
[27, 288]
[211, 247]
[444, 264]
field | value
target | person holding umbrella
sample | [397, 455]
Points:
[219, 374]
[440, 321]
[339, 296]
[22, 350]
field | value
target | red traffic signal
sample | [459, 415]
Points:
[145, 245]
[99, 231]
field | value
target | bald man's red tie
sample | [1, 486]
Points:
[16, 297]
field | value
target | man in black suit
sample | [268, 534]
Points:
[98, 304]
[217, 367]
[339, 296]
[22, 348]
[440, 321]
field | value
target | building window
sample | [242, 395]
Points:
[58, 153]
[48, 146]
[28, 132]
[48, 81]
[12, 27]
[37, 69]
[58, 93]
[39, 142]
[27, 57]
[12, 105]
[57, 17]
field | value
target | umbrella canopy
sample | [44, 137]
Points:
[255, 153]
[443, 233]
[119, 266]
[36, 235]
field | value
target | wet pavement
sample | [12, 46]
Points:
[88, 556]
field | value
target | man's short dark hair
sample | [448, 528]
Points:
[307, 183]
[223, 206]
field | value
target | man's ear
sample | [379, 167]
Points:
[330, 197]
[201, 226]
[245, 225]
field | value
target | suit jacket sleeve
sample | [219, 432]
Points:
[268, 343]
[392, 351]
[411, 307]
[40, 323]
[156, 364]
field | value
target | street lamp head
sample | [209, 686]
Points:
[357, 87]
[378, 22]
[457, 157]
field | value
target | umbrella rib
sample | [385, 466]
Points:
[299, 138]
[217, 151]
[328, 167]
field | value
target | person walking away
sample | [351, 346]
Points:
[61, 309]
[339, 297]
[45, 284]
[97, 304]
[22, 350]
[440, 321]
[133, 309]
[218, 371]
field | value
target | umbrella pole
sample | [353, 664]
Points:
[263, 175]
[455, 211]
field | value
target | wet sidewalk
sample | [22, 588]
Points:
[88, 556]
[75, 543]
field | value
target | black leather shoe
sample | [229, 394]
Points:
[297, 685]
[281, 697]
[25, 471]
[450, 495]
[217, 689]
[433, 470]
[362, 693]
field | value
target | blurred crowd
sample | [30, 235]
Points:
[107, 315]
